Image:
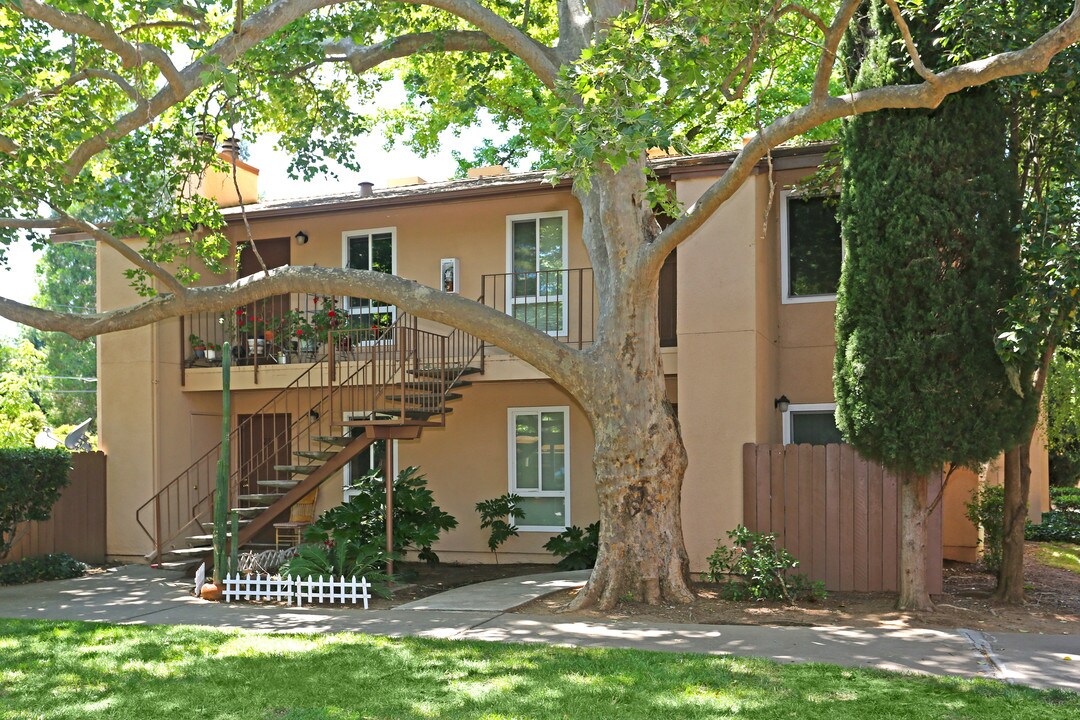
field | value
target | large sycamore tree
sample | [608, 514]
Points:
[95, 91]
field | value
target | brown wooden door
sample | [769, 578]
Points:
[264, 443]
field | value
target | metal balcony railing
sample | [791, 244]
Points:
[561, 303]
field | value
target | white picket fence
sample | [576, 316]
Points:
[323, 590]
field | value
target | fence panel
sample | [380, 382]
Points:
[77, 521]
[836, 512]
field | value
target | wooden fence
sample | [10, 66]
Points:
[838, 513]
[77, 522]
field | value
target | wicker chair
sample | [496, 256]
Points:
[301, 515]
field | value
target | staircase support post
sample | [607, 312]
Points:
[389, 506]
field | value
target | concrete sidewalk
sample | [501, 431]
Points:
[139, 595]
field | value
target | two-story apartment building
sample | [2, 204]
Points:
[747, 309]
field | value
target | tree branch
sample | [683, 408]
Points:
[909, 43]
[833, 36]
[76, 78]
[537, 56]
[225, 51]
[132, 255]
[1034, 58]
[33, 223]
[362, 58]
[552, 357]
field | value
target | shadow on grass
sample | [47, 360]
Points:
[87, 670]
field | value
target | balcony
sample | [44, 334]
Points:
[561, 303]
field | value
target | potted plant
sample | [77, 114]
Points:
[326, 317]
[197, 345]
[212, 350]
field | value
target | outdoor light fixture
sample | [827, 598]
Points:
[782, 403]
[301, 238]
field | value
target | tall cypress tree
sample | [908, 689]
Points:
[925, 209]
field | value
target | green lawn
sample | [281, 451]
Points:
[1060, 555]
[86, 670]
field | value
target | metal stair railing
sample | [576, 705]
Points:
[181, 505]
[356, 377]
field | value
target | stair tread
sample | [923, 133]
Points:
[410, 414]
[444, 372]
[315, 454]
[297, 469]
[243, 522]
[287, 484]
[201, 550]
[418, 397]
[434, 385]
[251, 509]
[204, 538]
[333, 439]
[261, 497]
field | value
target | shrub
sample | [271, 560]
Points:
[987, 510]
[576, 547]
[494, 514]
[56, 566]
[340, 560]
[418, 521]
[30, 483]
[755, 569]
[1065, 498]
[1056, 526]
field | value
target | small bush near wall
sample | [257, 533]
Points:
[57, 566]
[1065, 498]
[30, 483]
[1056, 526]
[987, 510]
[576, 547]
[361, 522]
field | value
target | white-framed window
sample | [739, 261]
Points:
[373, 457]
[376, 250]
[811, 253]
[539, 451]
[812, 423]
[536, 255]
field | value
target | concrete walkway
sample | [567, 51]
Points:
[139, 595]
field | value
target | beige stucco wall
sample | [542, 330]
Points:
[723, 363]
[473, 230]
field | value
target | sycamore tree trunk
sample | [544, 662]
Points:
[914, 524]
[1010, 585]
[639, 459]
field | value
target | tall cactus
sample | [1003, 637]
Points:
[221, 492]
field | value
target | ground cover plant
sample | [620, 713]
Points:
[54, 566]
[108, 671]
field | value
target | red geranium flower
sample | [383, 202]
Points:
[330, 313]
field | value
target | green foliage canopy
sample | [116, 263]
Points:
[30, 483]
[925, 207]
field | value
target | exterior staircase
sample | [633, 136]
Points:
[372, 384]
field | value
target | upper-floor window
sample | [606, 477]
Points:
[810, 249]
[812, 423]
[536, 255]
[370, 250]
[540, 466]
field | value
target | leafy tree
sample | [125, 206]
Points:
[66, 281]
[925, 210]
[94, 90]
[21, 416]
[1044, 153]
[30, 483]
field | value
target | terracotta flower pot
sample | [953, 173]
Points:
[210, 591]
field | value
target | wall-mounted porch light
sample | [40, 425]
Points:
[301, 238]
[782, 403]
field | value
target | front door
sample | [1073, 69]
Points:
[264, 443]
